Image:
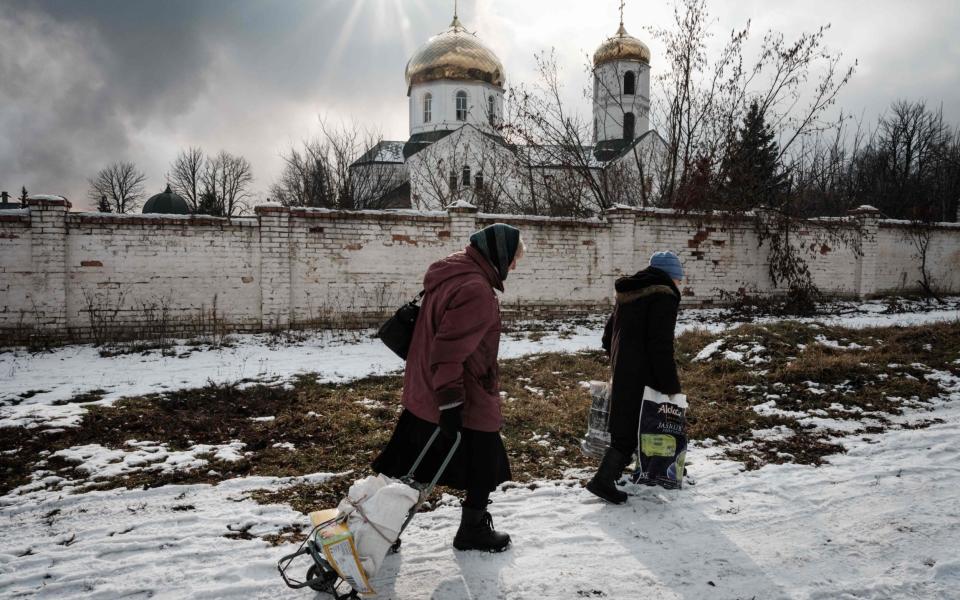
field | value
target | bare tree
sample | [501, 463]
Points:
[346, 167]
[226, 179]
[556, 138]
[910, 169]
[186, 174]
[793, 83]
[121, 183]
[305, 179]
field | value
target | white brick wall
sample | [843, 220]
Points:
[288, 267]
[898, 263]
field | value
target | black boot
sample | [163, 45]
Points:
[603, 483]
[476, 532]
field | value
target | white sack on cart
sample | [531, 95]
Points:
[384, 504]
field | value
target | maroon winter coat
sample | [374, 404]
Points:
[453, 354]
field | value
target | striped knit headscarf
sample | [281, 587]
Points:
[498, 242]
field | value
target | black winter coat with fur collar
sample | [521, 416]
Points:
[639, 337]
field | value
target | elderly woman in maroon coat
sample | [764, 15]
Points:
[451, 380]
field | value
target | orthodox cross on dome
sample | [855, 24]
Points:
[456, 24]
[621, 31]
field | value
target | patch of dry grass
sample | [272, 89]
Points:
[340, 427]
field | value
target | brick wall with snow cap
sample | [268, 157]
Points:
[62, 271]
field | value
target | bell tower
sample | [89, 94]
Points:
[621, 92]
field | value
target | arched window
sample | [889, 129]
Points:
[461, 106]
[427, 108]
[629, 83]
[628, 126]
[491, 109]
[478, 181]
[453, 180]
[466, 175]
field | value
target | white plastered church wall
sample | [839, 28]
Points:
[430, 169]
[610, 103]
[443, 105]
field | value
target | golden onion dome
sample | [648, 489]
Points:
[622, 46]
[454, 54]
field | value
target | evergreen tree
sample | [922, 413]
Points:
[751, 170]
[209, 205]
[23, 197]
[104, 205]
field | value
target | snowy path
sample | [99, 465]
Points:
[141, 543]
[882, 521]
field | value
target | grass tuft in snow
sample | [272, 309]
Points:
[766, 394]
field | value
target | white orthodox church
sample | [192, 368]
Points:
[455, 87]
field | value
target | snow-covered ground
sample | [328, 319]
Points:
[881, 521]
[35, 387]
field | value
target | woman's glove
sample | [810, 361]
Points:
[451, 421]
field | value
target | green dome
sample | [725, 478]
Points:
[167, 203]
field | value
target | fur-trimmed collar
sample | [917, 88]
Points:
[634, 295]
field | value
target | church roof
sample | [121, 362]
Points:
[455, 54]
[554, 157]
[167, 203]
[6, 204]
[609, 151]
[386, 151]
[622, 46]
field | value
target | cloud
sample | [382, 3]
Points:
[83, 84]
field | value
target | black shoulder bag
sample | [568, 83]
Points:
[397, 332]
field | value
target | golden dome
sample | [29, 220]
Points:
[622, 46]
[454, 54]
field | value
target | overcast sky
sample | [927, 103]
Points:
[87, 82]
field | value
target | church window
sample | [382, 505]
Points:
[461, 106]
[478, 181]
[629, 123]
[491, 109]
[453, 180]
[629, 83]
[466, 175]
[596, 129]
[427, 108]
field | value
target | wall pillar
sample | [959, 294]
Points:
[47, 297]
[463, 221]
[865, 272]
[275, 272]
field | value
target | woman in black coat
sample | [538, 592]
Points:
[639, 340]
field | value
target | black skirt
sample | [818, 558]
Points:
[480, 462]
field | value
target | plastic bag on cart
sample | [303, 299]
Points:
[376, 507]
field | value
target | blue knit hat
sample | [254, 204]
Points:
[669, 263]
